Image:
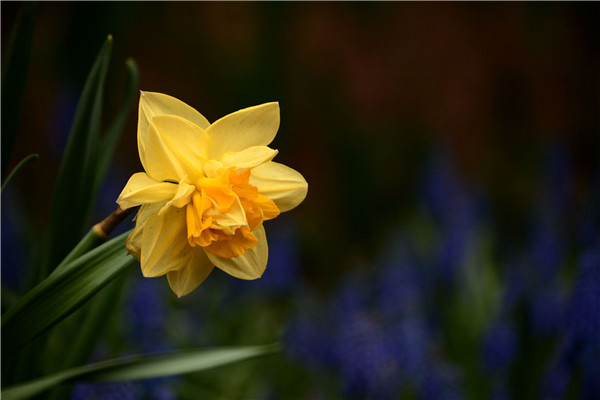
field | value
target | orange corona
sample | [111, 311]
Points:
[224, 210]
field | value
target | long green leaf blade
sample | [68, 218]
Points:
[24, 370]
[62, 293]
[15, 64]
[20, 167]
[95, 315]
[90, 241]
[111, 138]
[73, 195]
[140, 367]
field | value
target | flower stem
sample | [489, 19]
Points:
[104, 228]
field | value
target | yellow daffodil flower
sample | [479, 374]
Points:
[206, 191]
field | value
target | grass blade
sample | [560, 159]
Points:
[72, 198]
[20, 167]
[9, 297]
[62, 293]
[111, 138]
[141, 367]
[93, 321]
[90, 241]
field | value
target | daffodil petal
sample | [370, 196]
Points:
[248, 158]
[134, 240]
[181, 198]
[175, 148]
[282, 184]
[249, 265]
[164, 245]
[141, 189]
[153, 104]
[235, 216]
[196, 270]
[253, 126]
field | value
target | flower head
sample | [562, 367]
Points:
[206, 191]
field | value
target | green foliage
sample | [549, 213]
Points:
[24, 163]
[86, 160]
[107, 144]
[141, 367]
[62, 293]
[73, 184]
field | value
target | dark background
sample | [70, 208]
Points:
[364, 89]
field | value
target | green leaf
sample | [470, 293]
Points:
[20, 167]
[111, 138]
[90, 241]
[90, 322]
[140, 367]
[73, 195]
[23, 369]
[9, 297]
[15, 64]
[62, 293]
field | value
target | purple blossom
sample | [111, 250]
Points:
[107, 391]
[441, 382]
[146, 316]
[351, 297]
[366, 366]
[547, 312]
[399, 289]
[308, 338]
[547, 251]
[440, 186]
[591, 371]
[410, 342]
[499, 346]
[584, 310]
[14, 256]
[555, 382]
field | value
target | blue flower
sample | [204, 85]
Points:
[547, 250]
[591, 371]
[14, 256]
[146, 316]
[584, 310]
[350, 298]
[441, 382]
[515, 286]
[452, 252]
[547, 312]
[308, 336]
[399, 287]
[555, 382]
[583, 324]
[366, 366]
[410, 343]
[440, 186]
[499, 346]
[107, 391]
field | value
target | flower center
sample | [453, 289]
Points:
[224, 211]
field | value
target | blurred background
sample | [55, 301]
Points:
[448, 247]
